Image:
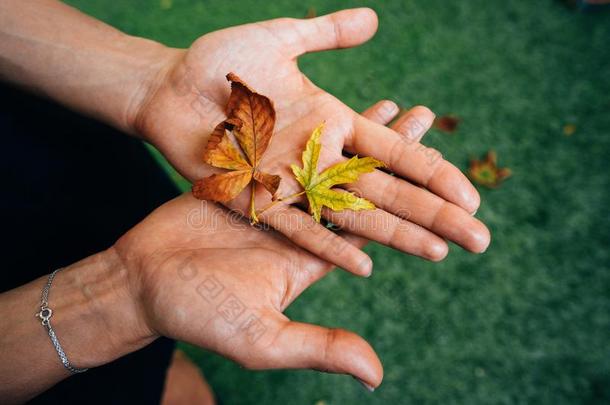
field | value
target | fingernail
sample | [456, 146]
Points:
[366, 267]
[485, 248]
[369, 388]
[474, 213]
[390, 108]
[480, 238]
[436, 251]
[471, 198]
[428, 120]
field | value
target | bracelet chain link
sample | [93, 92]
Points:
[45, 314]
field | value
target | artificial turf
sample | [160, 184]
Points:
[529, 320]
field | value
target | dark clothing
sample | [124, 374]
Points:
[70, 188]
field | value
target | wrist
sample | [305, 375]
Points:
[151, 68]
[77, 61]
[96, 314]
[161, 65]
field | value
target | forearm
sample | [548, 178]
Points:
[95, 317]
[55, 50]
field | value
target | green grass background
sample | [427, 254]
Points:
[529, 320]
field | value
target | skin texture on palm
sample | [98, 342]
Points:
[428, 200]
[206, 277]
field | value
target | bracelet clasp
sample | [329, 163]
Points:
[45, 314]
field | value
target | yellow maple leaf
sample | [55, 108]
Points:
[317, 186]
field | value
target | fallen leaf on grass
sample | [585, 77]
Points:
[250, 118]
[317, 186]
[569, 129]
[447, 123]
[486, 172]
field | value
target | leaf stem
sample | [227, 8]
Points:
[281, 199]
[253, 216]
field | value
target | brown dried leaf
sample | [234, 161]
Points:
[257, 116]
[220, 152]
[447, 123]
[311, 13]
[222, 187]
[569, 129]
[270, 181]
[251, 118]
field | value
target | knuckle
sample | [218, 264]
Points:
[337, 29]
[437, 214]
[392, 192]
[331, 338]
[435, 159]
[395, 235]
[397, 153]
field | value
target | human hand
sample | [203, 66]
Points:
[205, 276]
[112, 303]
[429, 200]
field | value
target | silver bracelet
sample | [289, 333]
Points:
[45, 314]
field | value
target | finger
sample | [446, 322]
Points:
[300, 345]
[343, 29]
[390, 230]
[424, 208]
[413, 161]
[302, 230]
[355, 240]
[414, 123]
[382, 112]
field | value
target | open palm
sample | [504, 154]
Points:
[206, 277]
[427, 201]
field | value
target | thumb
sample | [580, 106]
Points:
[301, 345]
[342, 29]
